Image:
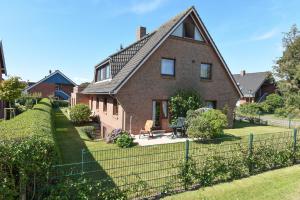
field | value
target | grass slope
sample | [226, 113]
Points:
[281, 184]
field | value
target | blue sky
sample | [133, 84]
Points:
[74, 35]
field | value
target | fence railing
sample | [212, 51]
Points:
[155, 170]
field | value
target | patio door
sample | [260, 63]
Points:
[159, 113]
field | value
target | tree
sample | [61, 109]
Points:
[11, 89]
[287, 68]
[183, 101]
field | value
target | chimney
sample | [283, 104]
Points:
[140, 32]
[50, 71]
[243, 72]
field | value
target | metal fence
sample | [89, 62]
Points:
[153, 170]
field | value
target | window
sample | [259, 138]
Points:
[167, 67]
[103, 73]
[115, 107]
[92, 101]
[205, 71]
[165, 109]
[211, 104]
[97, 105]
[188, 30]
[105, 105]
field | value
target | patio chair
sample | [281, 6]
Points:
[147, 129]
[179, 126]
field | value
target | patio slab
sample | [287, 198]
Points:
[161, 138]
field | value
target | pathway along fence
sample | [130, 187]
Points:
[162, 169]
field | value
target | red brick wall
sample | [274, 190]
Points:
[47, 89]
[147, 84]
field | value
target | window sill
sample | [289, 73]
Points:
[205, 80]
[167, 76]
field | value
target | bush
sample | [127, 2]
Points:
[27, 151]
[272, 102]
[83, 189]
[124, 140]
[114, 135]
[187, 173]
[192, 114]
[208, 125]
[80, 113]
[60, 103]
[183, 101]
[249, 110]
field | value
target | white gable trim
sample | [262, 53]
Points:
[167, 35]
[56, 72]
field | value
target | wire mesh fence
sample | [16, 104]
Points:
[156, 170]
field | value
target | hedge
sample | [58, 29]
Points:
[27, 152]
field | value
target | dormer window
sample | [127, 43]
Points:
[103, 73]
[188, 29]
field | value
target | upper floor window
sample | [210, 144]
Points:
[188, 30]
[167, 67]
[205, 71]
[103, 73]
[211, 104]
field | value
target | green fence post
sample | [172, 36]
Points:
[187, 144]
[82, 159]
[250, 151]
[295, 144]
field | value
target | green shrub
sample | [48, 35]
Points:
[124, 140]
[281, 112]
[27, 151]
[208, 125]
[188, 173]
[182, 101]
[249, 110]
[59, 103]
[82, 189]
[272, 102]
[80, 113]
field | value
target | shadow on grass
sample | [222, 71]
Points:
[77, 160]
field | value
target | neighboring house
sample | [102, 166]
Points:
[134, 84]
[2, 71]
[56, 84]
[254, 86]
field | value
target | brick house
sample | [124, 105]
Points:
[2, 71]
[56, 84]
[134, 84]
[254, 86]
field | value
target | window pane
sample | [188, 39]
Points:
[165, 109]
[108, 71]
[98, 75]
[198, 35]
[178, 31]
[205, 71]
[189, 30]
[167, 67]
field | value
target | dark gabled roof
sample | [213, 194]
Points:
[249, 83]
[146, 46]
[138, 56]
[2, 61]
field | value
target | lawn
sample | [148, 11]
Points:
[285, 118]
[156, 165]
[281, 184]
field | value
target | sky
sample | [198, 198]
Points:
[74, 35]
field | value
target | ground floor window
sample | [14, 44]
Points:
[115, 107]
[211, 104]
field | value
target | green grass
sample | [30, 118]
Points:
[156, 164]
[244, 128]
[281, 184]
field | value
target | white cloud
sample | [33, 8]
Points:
[145, 6]
[266, 35]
